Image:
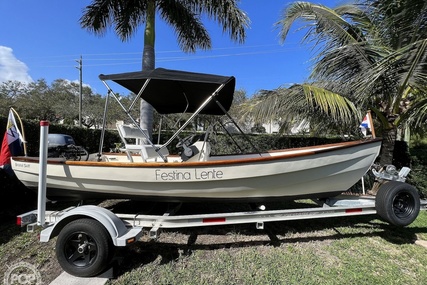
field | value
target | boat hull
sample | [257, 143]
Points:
[307, 172]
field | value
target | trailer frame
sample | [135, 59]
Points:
[126, 227]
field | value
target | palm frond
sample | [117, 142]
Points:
[128, 16]
[331, 29]
[402, 68]
[125, 17]
[330, 103]
[98, 16]
[307, 102]
[326, 23]
[226, 12]
[190, 31]
[416, 115]
[342, 63]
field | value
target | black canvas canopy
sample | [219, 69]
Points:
[173, 91]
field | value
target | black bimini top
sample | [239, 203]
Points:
[173, 91]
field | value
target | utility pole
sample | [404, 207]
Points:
[80, 68]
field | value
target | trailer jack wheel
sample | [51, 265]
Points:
[398, 203]
[84, 248]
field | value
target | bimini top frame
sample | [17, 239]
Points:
[173, 91]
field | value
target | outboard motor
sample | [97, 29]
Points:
[64, 146]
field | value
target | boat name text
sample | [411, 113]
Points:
[22, 165]
[196, 174]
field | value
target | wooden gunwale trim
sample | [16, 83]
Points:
[329, 148]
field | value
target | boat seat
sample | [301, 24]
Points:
[203, 150]
[147, 151]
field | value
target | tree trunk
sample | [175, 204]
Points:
[146, 110]
[386, 154]
[389, 139]
[148, 63]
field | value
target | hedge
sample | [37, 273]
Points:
[223, 144]
[87, 138]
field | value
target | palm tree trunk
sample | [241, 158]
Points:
[386, 154]
[146, 110]
[389, 139]
[148, 63]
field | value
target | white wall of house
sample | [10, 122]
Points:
[298, 128]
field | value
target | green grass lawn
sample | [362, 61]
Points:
[358, 250]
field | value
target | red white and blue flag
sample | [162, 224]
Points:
[12, 141]
[366, 124]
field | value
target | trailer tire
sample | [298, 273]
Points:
[84, 248]
[398, 203]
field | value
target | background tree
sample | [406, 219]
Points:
[184, 16]
[65, 100]
[93, 110]
[36, 102]
[10, 91]
[56, 102]
[370, 55]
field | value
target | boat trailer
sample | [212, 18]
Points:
[87, 234]
[341, 206]
[120, 230]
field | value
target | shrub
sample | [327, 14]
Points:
[418, 175]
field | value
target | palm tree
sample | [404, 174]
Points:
[372, 54]
[184, 16]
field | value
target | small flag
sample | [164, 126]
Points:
[366, 124]
[12, 141]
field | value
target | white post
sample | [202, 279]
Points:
[41, 198]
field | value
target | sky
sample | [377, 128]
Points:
[42, 39]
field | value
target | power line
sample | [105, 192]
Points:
[127, 61]
[157, 51]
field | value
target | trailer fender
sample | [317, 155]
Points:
[113, 224]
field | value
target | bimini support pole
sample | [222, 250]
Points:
[237, 126]
[104, 124]
[41, 198]
[209, 99]
[127, 111]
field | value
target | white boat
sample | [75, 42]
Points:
[196, 175]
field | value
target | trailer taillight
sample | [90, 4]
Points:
[214, 220]
[27, 218]
[356, 210]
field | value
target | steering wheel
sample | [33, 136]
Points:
[187, 141]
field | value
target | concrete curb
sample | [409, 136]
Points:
[67, 279]
[422, 243]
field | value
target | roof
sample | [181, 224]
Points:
[173, 91]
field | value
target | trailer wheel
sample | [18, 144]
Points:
[398, 203]
[84, 248]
